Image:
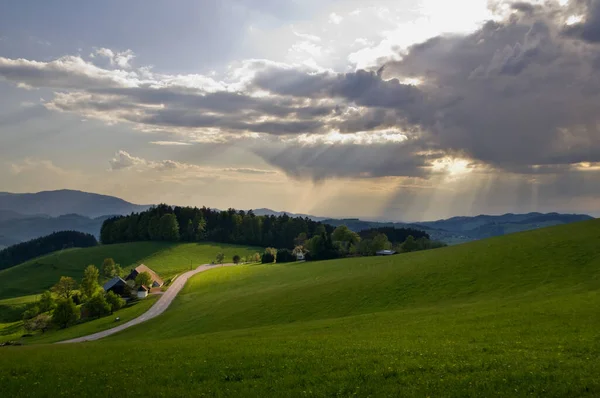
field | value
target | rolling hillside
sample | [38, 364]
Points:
[167, 259]
[508, 316]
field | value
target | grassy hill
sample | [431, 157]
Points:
[167, 259]
[509, 316]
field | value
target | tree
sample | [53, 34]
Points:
[143, 278]
[409, 245]
[380, 242]
[169, 228]
[64, 287]
[115, 302]
[300, 239]
[31, 312]
[220, 258]
[66, 313]
[236, 259]
[89, 283]
[46, 302]
[97, 305]
[344, 234]
[285, 256]
[108, 268]
[118, 270]
[267, 258]
[40, 322]
[21, 252]
[256, 257]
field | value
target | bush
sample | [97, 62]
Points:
[267, 258]
[31, 312]
[40, 322]
[236, 259]
[97, 306]
[285, 256]
[65, 314]
[46, 302]
[115, 302]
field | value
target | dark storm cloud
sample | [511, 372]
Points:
[511, 94]
[324, 161]
[589, 28]
[362, 87]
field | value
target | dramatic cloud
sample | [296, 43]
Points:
[517, 95]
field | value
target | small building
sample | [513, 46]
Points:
[156, 281]
[386, 252]
[142, 292]
[117, 285]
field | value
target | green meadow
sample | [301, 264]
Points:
[516, 315]
[167, 259]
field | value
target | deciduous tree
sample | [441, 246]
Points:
[115, 302]
[64, 287]
[65, 314]
[108, 267]
[143, 278]
[46, 302]
[89, 283]
[97, 305]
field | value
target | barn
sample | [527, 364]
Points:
[117, 285]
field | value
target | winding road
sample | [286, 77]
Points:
[161, 305]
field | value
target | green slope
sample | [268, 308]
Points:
[510, 316]
[167, 259]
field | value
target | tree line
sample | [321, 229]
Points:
[192, 224]
[22, 252]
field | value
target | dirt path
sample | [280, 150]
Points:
[161, 305]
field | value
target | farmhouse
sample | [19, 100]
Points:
[156, 281]
[142, 291]
[116, 285]
[385, 252]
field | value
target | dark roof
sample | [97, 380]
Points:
[112, 283]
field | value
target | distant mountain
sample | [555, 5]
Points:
[484, 226]
[57, 203]
[457, 229]
[26, 228]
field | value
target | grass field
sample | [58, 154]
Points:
[13, 331]
[167, 259]
[509, 316]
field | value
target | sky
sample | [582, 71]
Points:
[399, 110]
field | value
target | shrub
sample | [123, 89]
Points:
[236, 259]
[65, 314]
[40, 322]
[31, 312]
[46, 302]
[267, 258]
[285, 256]
[115, 302]
[97, 306]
